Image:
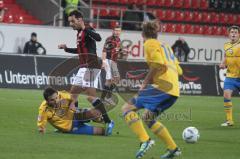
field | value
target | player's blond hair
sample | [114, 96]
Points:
[234, 27]
[150, 29]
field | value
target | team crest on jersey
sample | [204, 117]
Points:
[60, 112]
[230, 51]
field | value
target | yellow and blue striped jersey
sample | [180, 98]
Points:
[60, 117]
[232, 55]
[157, 55]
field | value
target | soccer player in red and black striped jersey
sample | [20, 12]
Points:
[110, 55]
[89, 71]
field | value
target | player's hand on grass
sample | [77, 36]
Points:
[41, 130]
[62, 46]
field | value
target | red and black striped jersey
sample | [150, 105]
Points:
[86, 47]
[112, 47]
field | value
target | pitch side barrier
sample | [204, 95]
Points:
[20, 71]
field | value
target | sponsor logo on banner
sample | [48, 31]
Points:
[132, 80]
[190, 83]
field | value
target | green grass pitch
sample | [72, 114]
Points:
[19, 138]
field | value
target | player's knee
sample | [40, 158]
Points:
[125, 108]
[148, 117]
[227, 94]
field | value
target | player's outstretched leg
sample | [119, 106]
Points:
[136, 125]
[162, 133]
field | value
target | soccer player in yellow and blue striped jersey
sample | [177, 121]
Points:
[158, 92]
[59, 110]
[232, 63]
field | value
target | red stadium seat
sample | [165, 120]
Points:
[188, 16]
[132, 1]
[198, 29]
[206, 17]
[19, 19]
[189, 29]
[170, 15]
[173, 28]
[103, 12]
[169, 27]
[177, 3]
[215, 17]
[224, 31]
[151, 2]
[223, 18]
[216, 30]
[238, 19]
[114, 1]
[124, 2]
[8, 18]
[9, 1]
[197, 16]
[163, 27]
[140, 2]
[114, 12]
[232, 18]
[207, 30]
[160, 3]
[161, 14]
[179, 15]
[204, 4]
[187, 4]
[195, 4]
[180, 28]
[168, 3]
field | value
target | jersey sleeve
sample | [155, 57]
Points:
[42, 117]
[179, 69]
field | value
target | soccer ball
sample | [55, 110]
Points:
[190, 135]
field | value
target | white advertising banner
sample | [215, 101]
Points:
[13, 37]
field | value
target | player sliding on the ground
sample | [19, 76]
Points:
[231, 61]
[158, 92]
[59, 110]
[89, 67]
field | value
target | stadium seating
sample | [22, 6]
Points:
[16, 14]
[177, 16]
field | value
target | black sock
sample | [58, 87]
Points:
[111, 88]
[100, 106]
[76, 104]
[106, 90]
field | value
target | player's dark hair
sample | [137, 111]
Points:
[235, 27]
[76, 13]
[48, 92]
[150, 29]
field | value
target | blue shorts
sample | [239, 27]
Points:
[232, 83]
[79, 127]
[153, 99]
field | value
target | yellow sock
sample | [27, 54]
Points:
[162, 132]
[228, 110]
[136, 125]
